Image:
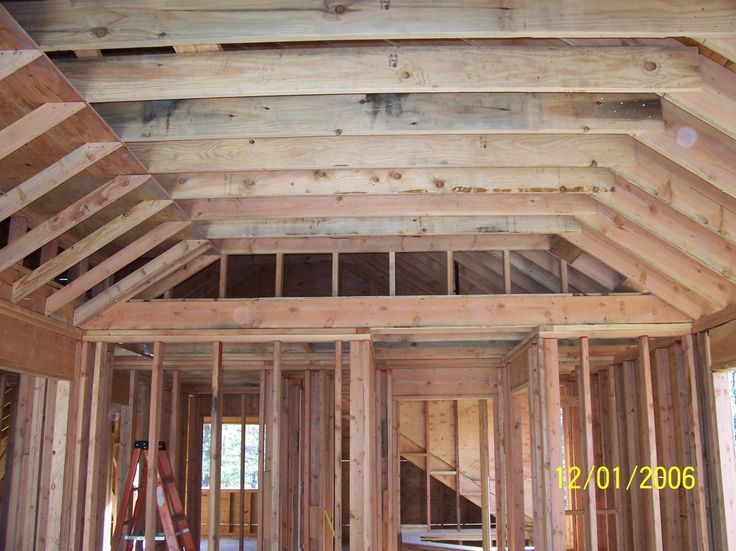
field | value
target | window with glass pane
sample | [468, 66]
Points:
[231, 454]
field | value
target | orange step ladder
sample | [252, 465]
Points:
[176, 532]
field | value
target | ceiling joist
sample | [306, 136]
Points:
[275, 183]
[60, 25]
[359, 206]
[378, 70]
[370, 244]
[383, 115]
[387, 226]
[493, 150]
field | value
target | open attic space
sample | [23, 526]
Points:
[367, 275]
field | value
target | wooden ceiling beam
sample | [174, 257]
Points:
[383, 114]
[658, 282]
[197, 48]
[12, 60]
[367, 244]
[34, 124]
[360, 206]
[387, 226]
[725, 46]
[41, 82]
[715, 104]
[53, 176]
[111, 265]
[60, 25]
[186, 271]
[86, 246]
[494, 150]
[674, 228]
[75, 213]
[379, 70]
[678, 188]
[275, 183]
[342, 312]
[594, 268]
[697, 147]
[652, 251]
[619, 331]
[137, 281]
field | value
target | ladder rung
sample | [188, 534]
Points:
[159, 537]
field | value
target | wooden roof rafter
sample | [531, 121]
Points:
[384, 70]
[145, 276]
[49, 112]
[207, 171]
[129, 24]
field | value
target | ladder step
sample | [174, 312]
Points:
[159, 537]
[170, 495]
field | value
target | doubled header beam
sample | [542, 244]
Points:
[351, 312]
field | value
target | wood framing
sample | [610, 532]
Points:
[586, 426]
[53, 176]
[154, 435]
[85, 247]
[109, 266]
[34, 124]
[136, 27]
[386, 312]
[388, 226]
[150, 273]
[362, 224]
[385, 70]
[213, 502]
[383, 114]
[68, 218]
[275, 183]
[11, 61]
[362, 448]
[400, 152]
[405, 205]
[274, 428]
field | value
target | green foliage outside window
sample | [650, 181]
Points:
[230, 473]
